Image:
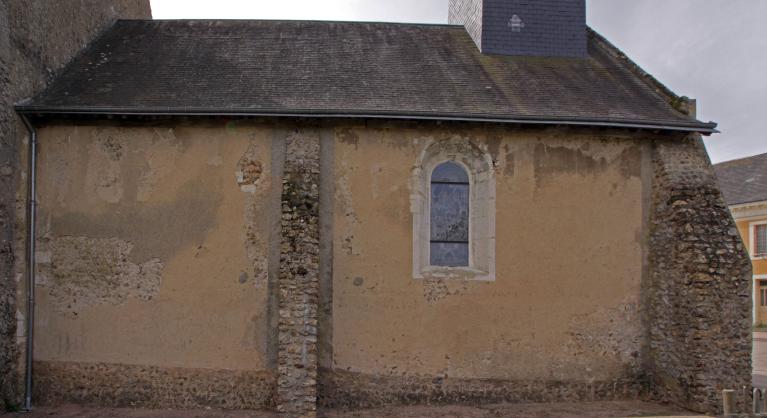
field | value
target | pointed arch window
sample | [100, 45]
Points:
[449, 216]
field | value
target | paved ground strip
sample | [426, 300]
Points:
[610, 409]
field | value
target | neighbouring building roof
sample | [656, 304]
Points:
[744, 180]
[313, 68]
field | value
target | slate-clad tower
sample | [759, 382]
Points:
[553, 28]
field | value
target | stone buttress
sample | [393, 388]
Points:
[299, 278]
[699, 319]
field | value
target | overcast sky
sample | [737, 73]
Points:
[712, 50]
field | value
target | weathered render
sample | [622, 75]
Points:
[236, 214]
[397, 339]
[37, 38]
[112, 284]
[153, 264]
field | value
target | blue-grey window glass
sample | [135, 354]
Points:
[449, 216]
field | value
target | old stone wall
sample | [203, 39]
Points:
[699, 318]
[158, 267]
[131, 386]
[299, 276]
[37, 38]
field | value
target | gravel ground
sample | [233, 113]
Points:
[549, 410]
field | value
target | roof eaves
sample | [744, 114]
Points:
[747, 204]
[691, 126]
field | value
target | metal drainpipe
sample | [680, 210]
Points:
[32, 209]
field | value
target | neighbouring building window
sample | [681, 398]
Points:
[760, 240]
[763, 292]
[453, 204]
[449, 216]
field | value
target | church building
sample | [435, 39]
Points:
[291, 215]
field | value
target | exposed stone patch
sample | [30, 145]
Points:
[249, 176]
[111, 147]
[249, 170]
[344, 196]
[700, 300]
[80, 271]
[104, 172]
[121, 385]
[436, 289]
[347, 136]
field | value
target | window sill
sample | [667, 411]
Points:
[455, 273]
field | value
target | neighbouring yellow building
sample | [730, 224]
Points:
[744, 185]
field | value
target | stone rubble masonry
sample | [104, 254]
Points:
[124, 385]
[699, 316]
[37, 38]
[349, 390]
[299, 277]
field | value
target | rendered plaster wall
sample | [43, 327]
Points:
[561, 319]
[744, 226]
[37, 38]
[700, 300]
[154, 264]
[744, 217]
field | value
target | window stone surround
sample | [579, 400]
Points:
[479, 166]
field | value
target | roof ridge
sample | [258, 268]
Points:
[360, 22]
[679, 103]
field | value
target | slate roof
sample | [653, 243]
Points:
[360, 69]
[743, 180]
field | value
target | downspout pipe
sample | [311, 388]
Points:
[31, 215]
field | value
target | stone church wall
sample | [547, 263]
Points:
[154, 263]
[267, 263]
[561, 320]
[37, 38]
[700, 295]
